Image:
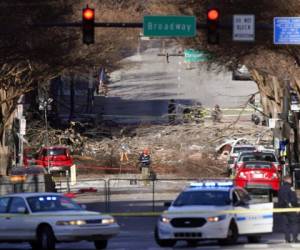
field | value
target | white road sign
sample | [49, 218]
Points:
[22, 126]
[243, 28]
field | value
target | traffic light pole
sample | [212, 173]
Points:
[200, 25]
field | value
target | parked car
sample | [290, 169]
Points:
[55, 158]
[29, 155]
[264, 155]
[258, 175]
[233, 155]
[44, 219]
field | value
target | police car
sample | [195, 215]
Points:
[213, 210]
[44, 219]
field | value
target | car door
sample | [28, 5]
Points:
[252, 218]
[4, 202]
[17, 223]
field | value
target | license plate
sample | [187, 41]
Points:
[258, 175]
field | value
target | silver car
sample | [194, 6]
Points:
[44, 219]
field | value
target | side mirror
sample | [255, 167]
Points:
[167, 204]
[240, 203]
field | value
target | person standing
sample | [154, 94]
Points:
[171, 111]
[216, 114]
[287, 198]
[145, 162]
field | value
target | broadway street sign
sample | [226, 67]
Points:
[170, 26]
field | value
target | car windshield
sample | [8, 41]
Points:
[258, 165]
[203, 198]
[258, 157]
[54, 151]
[47, 203]
[241, 149]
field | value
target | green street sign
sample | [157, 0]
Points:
[191, 55]
[170, 26]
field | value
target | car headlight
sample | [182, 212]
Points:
[216, 218]
[71, 223]
[165, 219]
[108, 221]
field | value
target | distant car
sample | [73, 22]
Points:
[199, 213]
[264, 155]
[44, 219]
[57, 158]
[258, 175]
[235, 152]
[29, 155]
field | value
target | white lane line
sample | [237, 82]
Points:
[255, 246]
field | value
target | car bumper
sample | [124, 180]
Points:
[274, 185]
[90, 233]
[211, 230]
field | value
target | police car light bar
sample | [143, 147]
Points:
[212, 184]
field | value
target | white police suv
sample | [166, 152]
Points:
[213, 210]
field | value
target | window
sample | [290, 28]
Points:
[51, 203]
[4, 204]
[16, 204]
[203, 198]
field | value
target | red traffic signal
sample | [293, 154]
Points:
[88, 25]
[212, 22]
[88, 14]
[213, 14]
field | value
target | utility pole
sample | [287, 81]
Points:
[72, 95]
[285, 118]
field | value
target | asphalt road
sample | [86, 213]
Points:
[137, 234]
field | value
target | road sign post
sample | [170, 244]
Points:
[286, 30]
[243, 28]
[169, 26]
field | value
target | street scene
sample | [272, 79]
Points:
[149, 124]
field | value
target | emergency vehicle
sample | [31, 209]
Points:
[213, 210]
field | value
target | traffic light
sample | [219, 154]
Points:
[212, 22]
[88, 25]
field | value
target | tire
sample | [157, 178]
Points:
[232, 235]
[100, 244]
[163, 243]
[45, 238]
[254, 238]
[34, 245]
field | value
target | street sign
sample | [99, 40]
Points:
[191, 55]
[22, 126]
[169, 26]
[243, 28]
[286, 30]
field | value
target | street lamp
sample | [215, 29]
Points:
[44, 104]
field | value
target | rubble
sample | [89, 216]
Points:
[185, 150]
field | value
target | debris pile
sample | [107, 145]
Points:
[184, 150]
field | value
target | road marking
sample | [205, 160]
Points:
[255, 246]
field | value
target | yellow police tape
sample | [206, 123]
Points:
[240, 211]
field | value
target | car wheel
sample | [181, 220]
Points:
[254, 238]
[100, 244]
[163, 243]
[34, 245]
[46, 238]
[232, 235]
